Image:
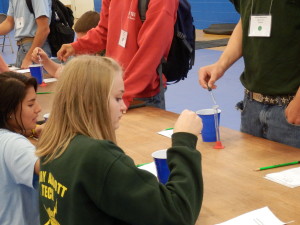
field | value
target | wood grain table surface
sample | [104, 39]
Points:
[231, 185]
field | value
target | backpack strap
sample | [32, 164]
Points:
[161, 86]
[29, 5]
[143, 6]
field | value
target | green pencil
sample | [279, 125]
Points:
[142, 164]
[279, 165]
[47, 92]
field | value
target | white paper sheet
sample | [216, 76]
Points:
[150, 167]
[49, 80]
[263, 216]
[167, 133]
[23, 71]
[13, 68]
[289, 178]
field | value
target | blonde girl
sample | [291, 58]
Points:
[87, 179]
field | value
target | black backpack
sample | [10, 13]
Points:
[182, 52]
[62, 21]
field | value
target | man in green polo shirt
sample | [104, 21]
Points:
[268, 37]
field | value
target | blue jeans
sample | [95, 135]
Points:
[24, 48]
[269, 121]
[157, 101]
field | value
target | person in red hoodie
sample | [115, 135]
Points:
[138, 46]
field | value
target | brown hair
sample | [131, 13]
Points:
[87, 21]
[13, 89]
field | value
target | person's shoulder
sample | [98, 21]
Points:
[13, 144]
[94, 150]
[94, 145]
[9, 136]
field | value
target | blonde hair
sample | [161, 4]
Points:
[80, 105]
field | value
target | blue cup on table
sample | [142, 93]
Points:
[36, 70]
[208, 120]
[161, 164]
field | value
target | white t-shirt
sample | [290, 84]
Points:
[19, 198]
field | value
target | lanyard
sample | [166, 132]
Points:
[269, 9]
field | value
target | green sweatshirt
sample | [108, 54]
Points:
[272, 64]
[95, 182]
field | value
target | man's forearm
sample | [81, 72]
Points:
[7, 25]
[38, 41]
[233, 50]
[40, 36]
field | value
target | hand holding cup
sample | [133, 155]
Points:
[189, 122]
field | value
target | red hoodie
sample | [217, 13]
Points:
[146, 43]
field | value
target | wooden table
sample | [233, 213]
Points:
[45, 100]
[231, 186]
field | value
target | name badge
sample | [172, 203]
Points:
[123, 38]
[19, 22]
[260, 26]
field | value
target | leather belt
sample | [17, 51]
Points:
[25, 40]
[270, 99]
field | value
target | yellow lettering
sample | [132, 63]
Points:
[63, 191]
[43, 189]
[50, 177]
[57, 187]
[42, 177]
[47, 192]
[50, 193]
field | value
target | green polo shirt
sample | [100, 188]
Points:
[272, 64]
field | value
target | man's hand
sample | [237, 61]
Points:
[65, 52]
[292, 112]
[208, 75]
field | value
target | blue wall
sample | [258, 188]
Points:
[3, 6]
[207, 12]
[97, 5]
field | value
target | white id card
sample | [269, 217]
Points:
[260, 26]
[19, 23]
[123, 38]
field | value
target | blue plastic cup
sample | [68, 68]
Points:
[36, 71]
[208, 120]
[160, 160]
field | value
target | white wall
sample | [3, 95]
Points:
[81, 6]
[66, 2]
